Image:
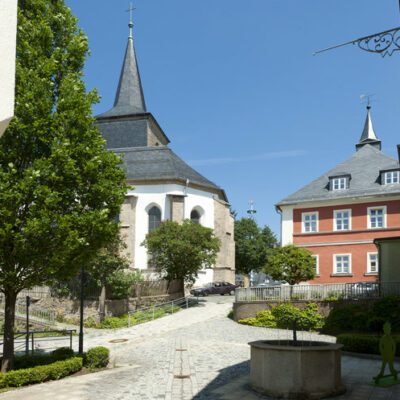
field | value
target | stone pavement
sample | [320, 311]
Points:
[196, 354]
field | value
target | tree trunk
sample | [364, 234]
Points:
[9, 321]
[182, 286]
[102, 303]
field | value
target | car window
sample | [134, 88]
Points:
[217, 284]
[208, 285]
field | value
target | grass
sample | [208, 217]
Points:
[139, 317]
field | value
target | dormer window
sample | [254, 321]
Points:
[389, 177]
[339, 182]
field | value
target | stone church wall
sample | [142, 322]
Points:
[128, 222]
[224, 230]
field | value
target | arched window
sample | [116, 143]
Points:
[154, 218]
[195, 216]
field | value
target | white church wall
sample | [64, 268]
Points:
[8, 27]
[157, 195]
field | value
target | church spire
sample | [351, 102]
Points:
[129, 99]
[368, 135]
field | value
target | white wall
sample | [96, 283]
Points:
[8, 26]
[149, 195]
[287, 225]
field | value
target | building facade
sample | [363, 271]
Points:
[8, 29]
[340, 214]
[165, 187]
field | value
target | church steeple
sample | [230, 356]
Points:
[129, 99]
[368, 135]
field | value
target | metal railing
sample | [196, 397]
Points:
[156, 311]
[359, 290]
[25, 341]
[36, 314]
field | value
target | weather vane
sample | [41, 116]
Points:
[251, 211]
[383, 43]
[130, 11]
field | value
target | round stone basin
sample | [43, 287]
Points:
[307, 370]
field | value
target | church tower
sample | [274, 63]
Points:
[165, 187]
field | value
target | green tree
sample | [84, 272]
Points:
[109, 270]
[252, 245]
[179, 252]
[290, 264]
[60, 191]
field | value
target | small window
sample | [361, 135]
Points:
[342, 220]
[342, 264]
[390, 177]
[310, 222]
[316, 259]
[376, 217]
[195, 216]
[154, 218]
[372, 265]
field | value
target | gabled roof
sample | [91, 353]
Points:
[161, 163]
[364, 166]
[129, 98]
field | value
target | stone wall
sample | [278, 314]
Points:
[128, 222]
[177, 203]
[68, 310]
[224, 230]
[244, 309]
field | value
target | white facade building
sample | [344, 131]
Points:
[8, 29]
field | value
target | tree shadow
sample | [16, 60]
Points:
[230, 380]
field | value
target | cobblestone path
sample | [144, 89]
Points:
[196, 354]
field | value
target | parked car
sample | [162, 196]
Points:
[215, 288]
[363, 289]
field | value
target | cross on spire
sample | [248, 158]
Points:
[130, 11]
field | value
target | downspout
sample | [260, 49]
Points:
[279, 211]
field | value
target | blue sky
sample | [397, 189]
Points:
[236, 87]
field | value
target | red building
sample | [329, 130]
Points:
[338, 215]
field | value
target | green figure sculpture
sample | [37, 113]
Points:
[387, 348]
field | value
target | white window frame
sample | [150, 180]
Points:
[335, 212]
[339, 181]
[369, 270]
[369, 211]
[303, 221]
[316, 258]
[335, 271]
[392, 174]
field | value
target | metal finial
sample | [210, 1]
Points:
[131, 20]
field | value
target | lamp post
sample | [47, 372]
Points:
[81, 311]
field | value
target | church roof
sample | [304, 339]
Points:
[129, 99]
[363, 167]
[161, 163]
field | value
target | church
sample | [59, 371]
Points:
[165, 187]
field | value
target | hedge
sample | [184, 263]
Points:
[96, 358]
[41, 373]
[359, 343]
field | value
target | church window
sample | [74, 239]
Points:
[154, 218]
[195, 216]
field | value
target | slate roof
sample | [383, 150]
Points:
[129, 98]
[364, 167]
[160, 163]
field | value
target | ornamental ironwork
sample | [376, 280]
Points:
[383, 43]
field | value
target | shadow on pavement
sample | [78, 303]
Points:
[229, 384]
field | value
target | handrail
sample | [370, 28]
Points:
[185, 301]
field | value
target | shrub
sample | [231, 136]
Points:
[40, 373]
[113, 323]
[62, 353]
[359, 343]
[230, 314]
[98, 357]
[341, 318]
[281, 316]
[120, 283]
